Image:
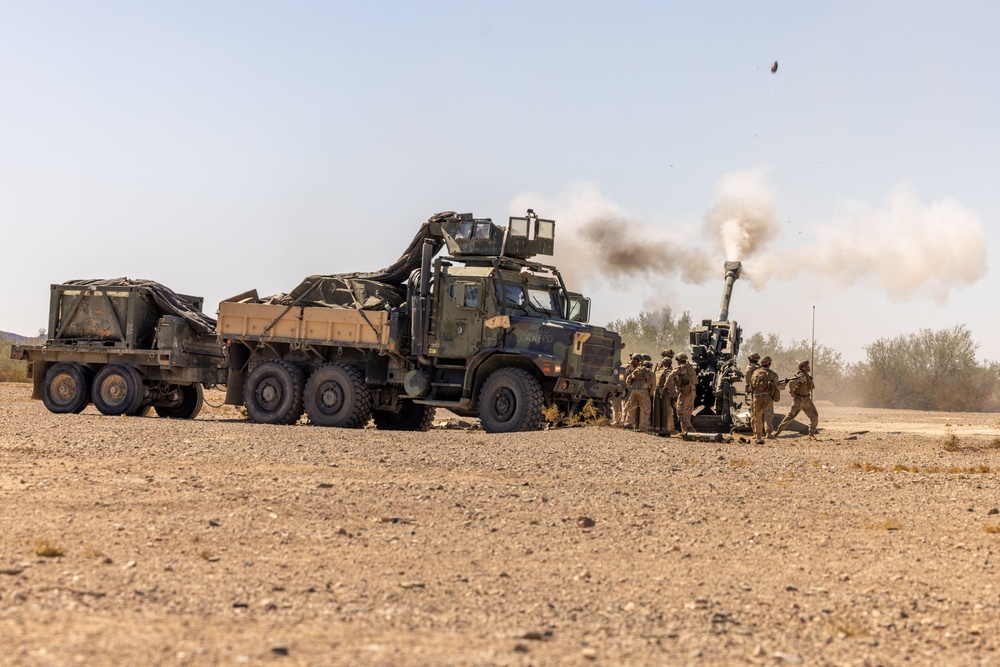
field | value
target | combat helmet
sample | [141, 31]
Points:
[754, 357]
[668, 353]
[802, 364]
[681, 358]
[646, 357]
[766, 361]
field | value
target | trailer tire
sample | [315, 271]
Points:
[511, 400]
[273, 392]
[117, 390]
[192, 396]
[411, 417]
[66, 388]
[336, 395]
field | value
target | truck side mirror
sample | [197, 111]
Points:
[579, 309]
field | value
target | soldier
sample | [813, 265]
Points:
[663, 404]
[618, 398]
[754, 364]
[801, 388]
[639, 383]
[764, 385]
[682, 382]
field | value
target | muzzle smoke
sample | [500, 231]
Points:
[907, 248]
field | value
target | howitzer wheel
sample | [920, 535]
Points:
[118, 390]
[66, 388]
[273, 392]
[189, 405]
[511, 400]
[411, 417]
[336, 395]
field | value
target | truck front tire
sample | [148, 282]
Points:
[273, 392]
[118, 390]
[66, 388]
[511, 400]
[336, 395]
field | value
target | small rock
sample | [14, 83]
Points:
[129, 565]
[279, 649]
[994, 511]
[585, 522]
[589, 653]
[521, 648]
[787, 658]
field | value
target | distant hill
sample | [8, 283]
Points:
[13, 337]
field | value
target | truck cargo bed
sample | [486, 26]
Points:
[317, 325]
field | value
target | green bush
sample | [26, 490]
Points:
[649, 333]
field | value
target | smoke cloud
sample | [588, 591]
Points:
[908, 249]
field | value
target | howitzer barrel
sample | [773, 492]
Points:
[732, 274]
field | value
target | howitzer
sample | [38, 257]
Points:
[715, 346]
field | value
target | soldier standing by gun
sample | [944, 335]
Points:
[639, 384]
[663, 409]
[753, 365]
[682, 382]
[801, 388]
[764, 385]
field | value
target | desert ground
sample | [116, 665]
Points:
[141, 540]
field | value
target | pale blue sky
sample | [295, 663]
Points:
[222, 146]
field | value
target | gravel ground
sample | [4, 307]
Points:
[151, 541]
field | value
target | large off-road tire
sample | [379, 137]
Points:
[117, 390]
[336, 395]
[192, 396]
[66, 388]
[511, 400]
[273, 392]
[411, 417]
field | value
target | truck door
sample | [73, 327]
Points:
[459, 325]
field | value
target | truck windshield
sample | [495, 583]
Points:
[532, 300]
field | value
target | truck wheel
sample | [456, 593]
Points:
[273, 393]
[511, 400]
[117, 390]
[66, 388]
[189, 406]
[336, 395]
[411, 417]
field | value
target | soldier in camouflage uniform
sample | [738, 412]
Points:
[764, 385]
[639, 384]
[682, 382]
[754, 364]
[618, 399]
[801, 388]
[663, 402]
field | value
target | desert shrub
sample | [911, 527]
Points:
[11, 370]
[927, 370]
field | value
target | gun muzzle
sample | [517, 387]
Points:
[732, 275]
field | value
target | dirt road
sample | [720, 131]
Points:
[150, 541]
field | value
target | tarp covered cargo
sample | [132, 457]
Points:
[375, 290]
[165, 298]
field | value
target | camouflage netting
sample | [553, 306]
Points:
[376, 290]
[166, 300]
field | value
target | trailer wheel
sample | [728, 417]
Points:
[511, 400]
[273, 393]
[411, 417]
[336, 395]
[189, 406]
[66, 388]
[117, 390]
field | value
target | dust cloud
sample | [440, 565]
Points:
[907, 248]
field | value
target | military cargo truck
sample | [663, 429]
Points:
[482, 331]
[128, 346]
